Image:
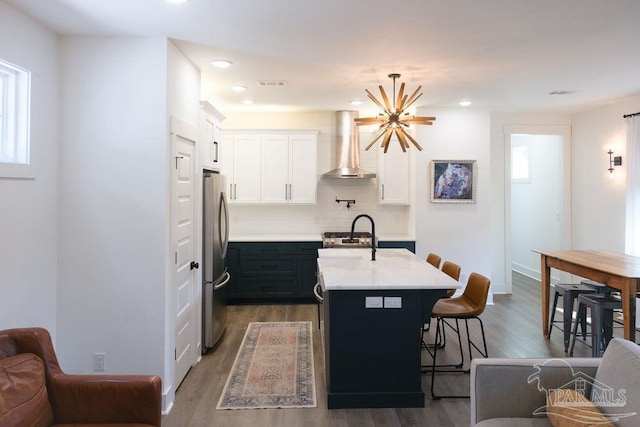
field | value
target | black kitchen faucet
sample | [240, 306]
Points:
[373, 233]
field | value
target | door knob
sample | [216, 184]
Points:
[194, 265]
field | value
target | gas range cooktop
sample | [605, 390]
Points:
[340, 239]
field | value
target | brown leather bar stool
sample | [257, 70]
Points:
[452, 270]
[467, 306]
[569, 293]
[434, 260]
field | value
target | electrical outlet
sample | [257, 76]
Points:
[99, 362]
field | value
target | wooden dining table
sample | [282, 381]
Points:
[613, 269]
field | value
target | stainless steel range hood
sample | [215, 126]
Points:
[347, 149]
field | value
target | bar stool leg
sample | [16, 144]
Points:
[607, 326]
[583, 324]
[553, 314]
[596, 332]
[567, 307]
[582, 311]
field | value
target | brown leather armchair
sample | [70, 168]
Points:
[28, 363]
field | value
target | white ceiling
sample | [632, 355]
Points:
[504, 55]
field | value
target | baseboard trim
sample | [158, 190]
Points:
[167, 406]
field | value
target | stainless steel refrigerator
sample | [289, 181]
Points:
[214, 273]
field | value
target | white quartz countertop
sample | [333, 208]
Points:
[353, 269]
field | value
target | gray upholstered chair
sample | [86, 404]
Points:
[513, 392]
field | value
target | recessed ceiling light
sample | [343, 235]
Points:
[355, 102]
[177, 1]
[221, 63]
[239, 88]
[247, 101]
[464, 103]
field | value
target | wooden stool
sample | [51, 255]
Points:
[601, 307]
[569, 293]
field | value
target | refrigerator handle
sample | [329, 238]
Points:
[224, 282]
[224, 208]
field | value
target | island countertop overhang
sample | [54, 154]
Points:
[393, 269]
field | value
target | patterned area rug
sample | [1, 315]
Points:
[273, 368]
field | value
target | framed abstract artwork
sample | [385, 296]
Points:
[453, 181]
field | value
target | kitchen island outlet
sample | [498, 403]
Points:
[373, 313]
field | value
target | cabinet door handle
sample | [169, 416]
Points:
[215, 156]
[286, 195]
[382, 191]
[316, 292]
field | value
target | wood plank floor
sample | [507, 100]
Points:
[512, 327]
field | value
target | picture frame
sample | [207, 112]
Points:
[454, 181]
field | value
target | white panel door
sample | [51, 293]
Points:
[303, 169]
[275, 169]
[183, 138]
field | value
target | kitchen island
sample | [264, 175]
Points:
[373, 314]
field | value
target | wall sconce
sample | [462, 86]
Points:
[613, 161]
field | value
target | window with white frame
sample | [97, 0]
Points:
[15, 85]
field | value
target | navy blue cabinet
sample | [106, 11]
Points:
[272, 271]
[408, 244]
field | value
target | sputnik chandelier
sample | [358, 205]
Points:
[394, 120]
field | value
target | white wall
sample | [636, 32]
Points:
[599, 198]
[28, 209]
[113, 203]
[457, 232]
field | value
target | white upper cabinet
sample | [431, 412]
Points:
[394, 174]
[286, 168]
[303, 168]
[275, 169]
[289, 169]
[241, 163]
[210, 135]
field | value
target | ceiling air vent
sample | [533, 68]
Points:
[272, 83]
[562, 92]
